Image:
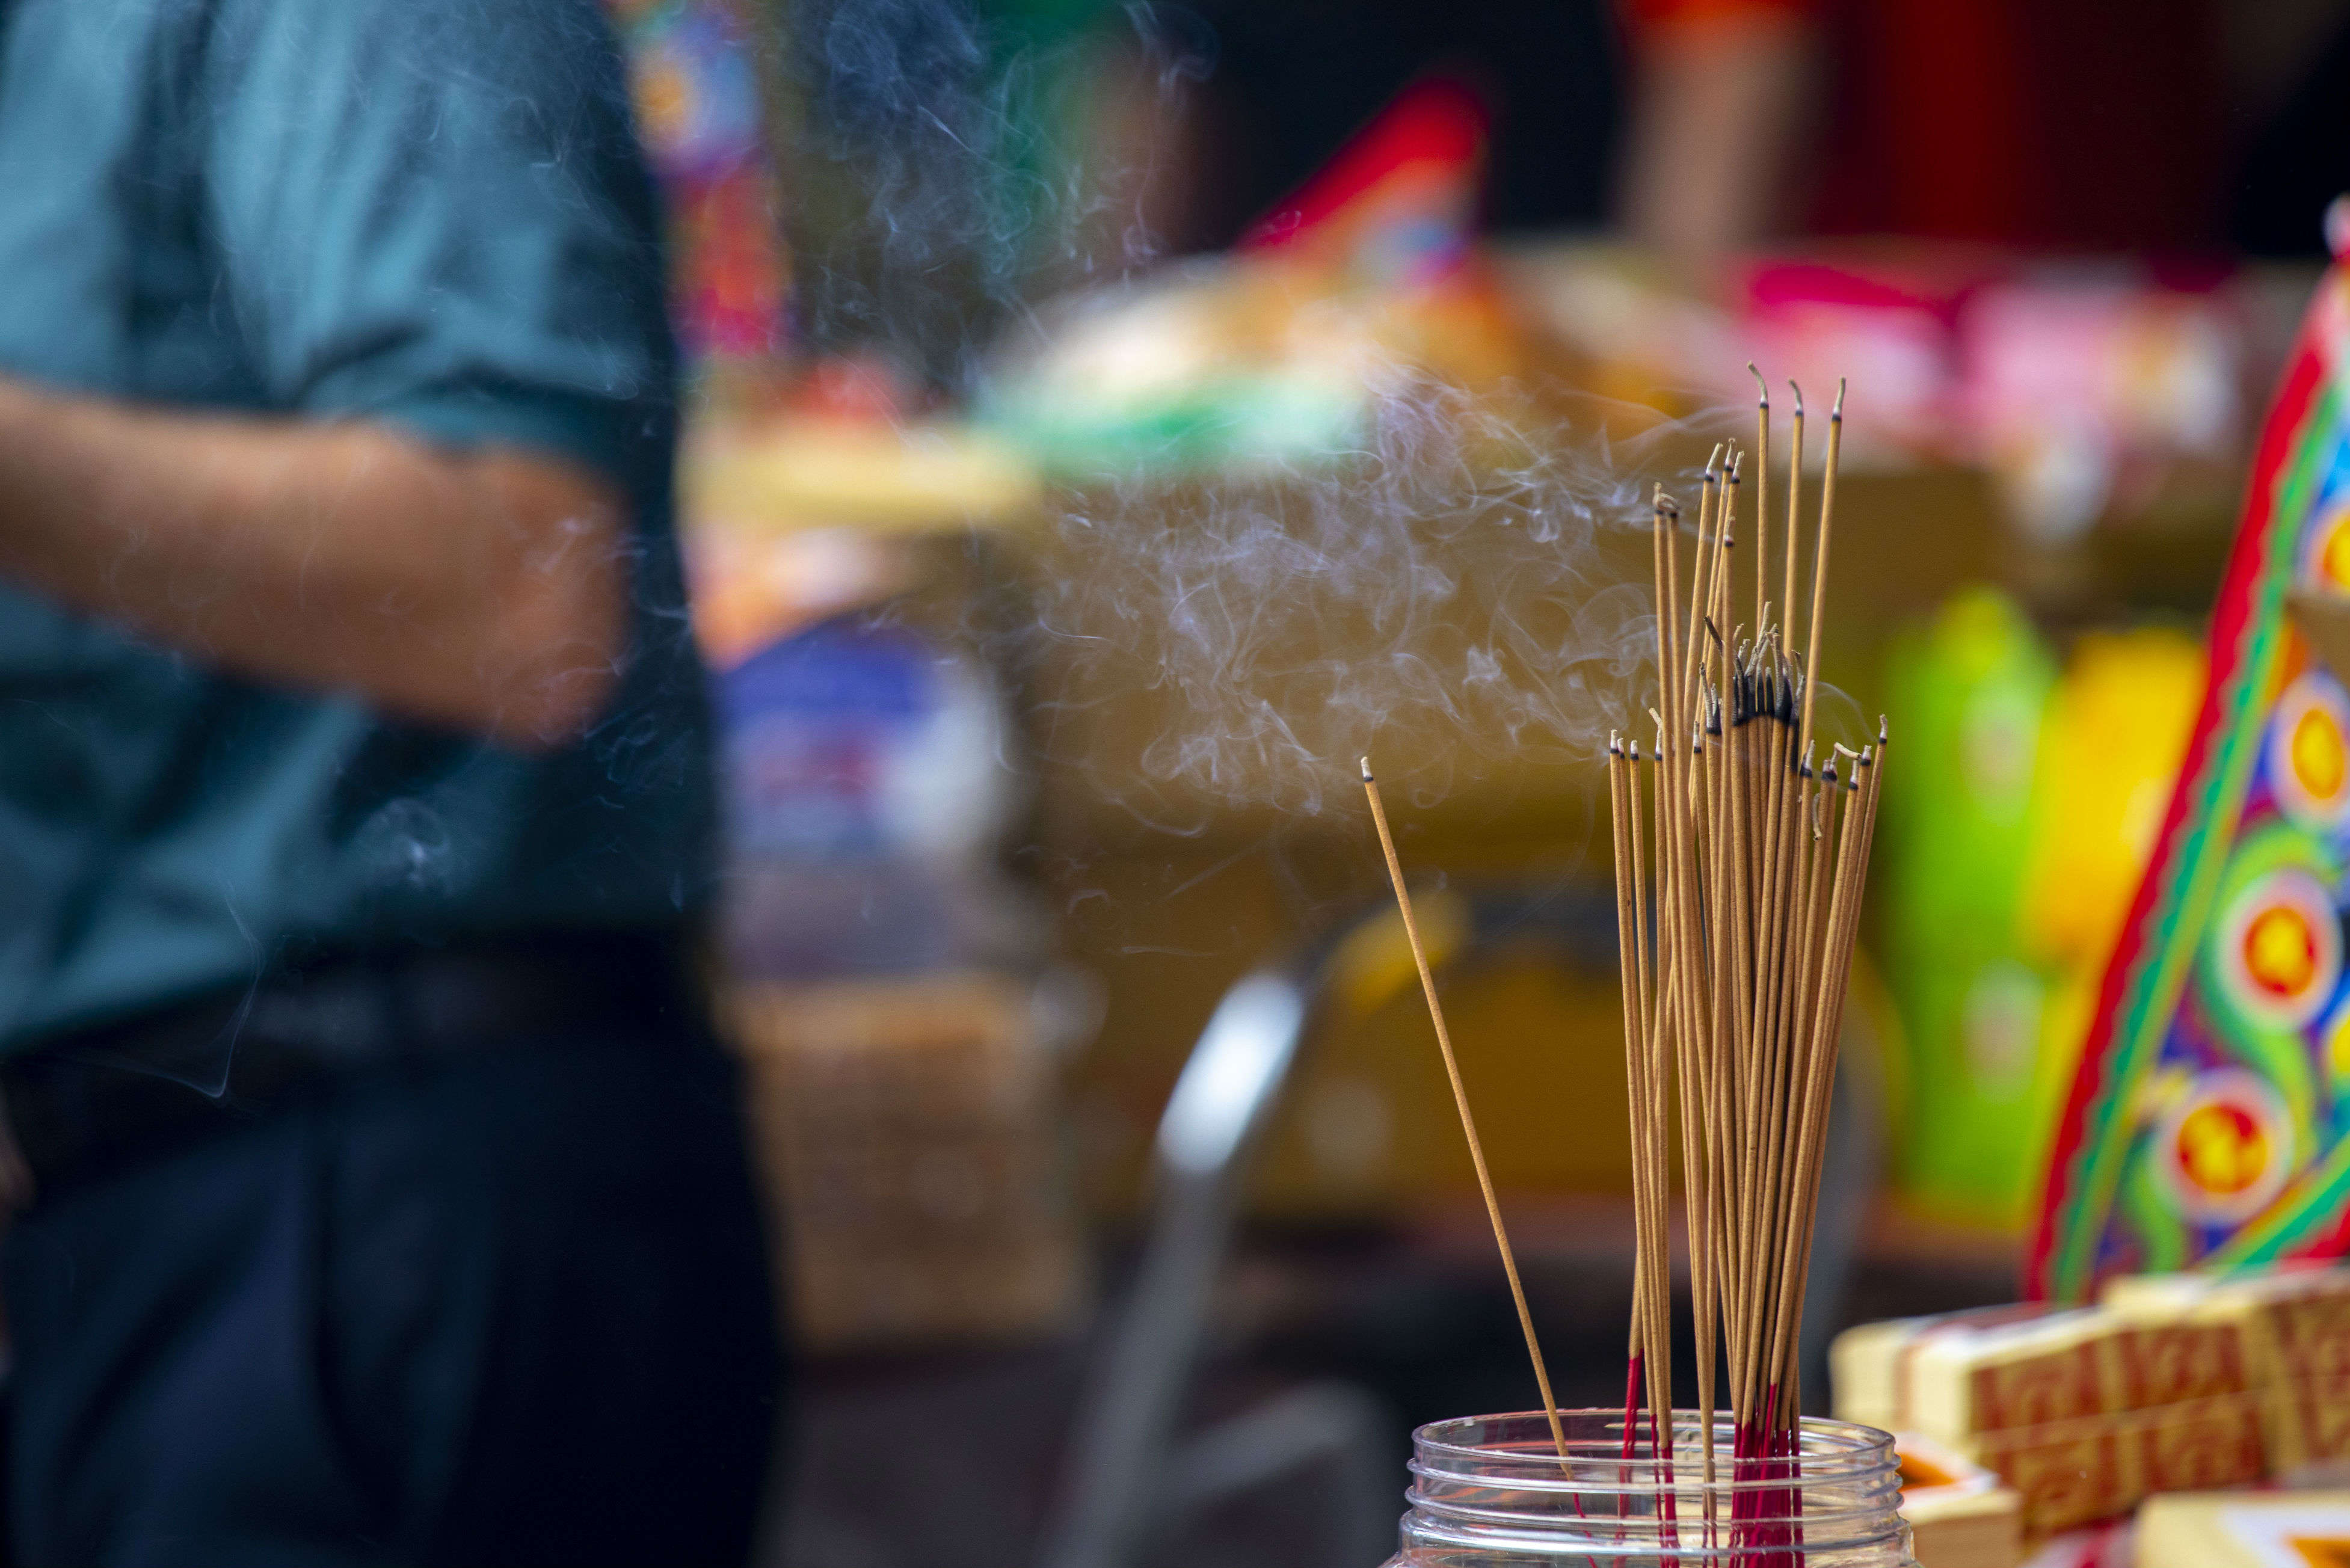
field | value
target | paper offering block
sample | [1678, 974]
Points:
[2073, 1475]
[2077, 1472]
[1868, 1364]
[2179, 1382]
[1960, 1514]
[2307, 1422]
[2311, 1332]
[2277, 1530]
[2290, 1322]
[2158, 1297]
[1980, 1529]
[1961, 1380]
[2202, 1444]
[1863, 1362]
[2161, 1364]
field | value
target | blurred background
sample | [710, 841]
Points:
[1111, 419]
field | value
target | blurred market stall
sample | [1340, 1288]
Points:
[1046, 630]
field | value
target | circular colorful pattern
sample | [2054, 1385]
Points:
[2309, 752]
[2326, 550]
[2224, 1149]
[2337, 1046]
[2279, 948]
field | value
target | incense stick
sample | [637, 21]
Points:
[1460, 1103]
[1762, 498]
[1820, 562]
[1789, 604]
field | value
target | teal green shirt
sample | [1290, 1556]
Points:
[430, 212]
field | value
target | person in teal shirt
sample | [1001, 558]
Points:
[379, 1196]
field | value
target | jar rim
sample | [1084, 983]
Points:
[1482, 1481]
[1860, 1447]
[1516, 1450]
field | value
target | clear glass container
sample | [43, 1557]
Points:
[1490, 1492]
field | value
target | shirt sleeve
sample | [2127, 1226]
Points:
[434, 212]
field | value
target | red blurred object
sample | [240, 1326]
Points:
[1648, 20]
[2038, 123]
[1888, 322]
[861, 388]
[728, 276]
[1407, 182]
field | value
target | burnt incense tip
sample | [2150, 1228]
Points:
[1799, 398]
[1761, 386]
[1366, 770]
[1836, 414]
[1882, 737]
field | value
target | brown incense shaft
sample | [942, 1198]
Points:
[1762, 498]
[1787, 606]
[1652, 1272]
[1820, 562]
[1798, 1264]
[1662, 1018]
[1460, 1103]
[1630, 938]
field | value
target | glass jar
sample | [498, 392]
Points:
[1490, 1492]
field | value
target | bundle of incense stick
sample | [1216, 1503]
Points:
[1739, 868]
[1738, 871]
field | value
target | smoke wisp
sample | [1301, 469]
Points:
[1467, 589]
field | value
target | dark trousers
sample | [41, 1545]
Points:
[507, 1306]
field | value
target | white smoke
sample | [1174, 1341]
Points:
[1467, 589]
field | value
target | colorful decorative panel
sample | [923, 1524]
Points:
[2208, 1123]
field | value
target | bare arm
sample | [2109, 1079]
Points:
[485, 590]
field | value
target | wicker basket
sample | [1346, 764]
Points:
[907, 1131]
